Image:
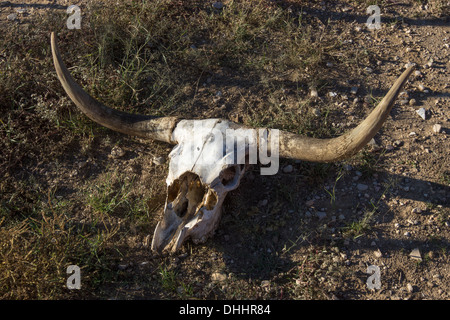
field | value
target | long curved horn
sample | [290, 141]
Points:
[334, 149]
[290, 145]
[158, 128]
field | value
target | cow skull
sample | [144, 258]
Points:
[204, 167]
[201, 172]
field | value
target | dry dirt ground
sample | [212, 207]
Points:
[286, 236]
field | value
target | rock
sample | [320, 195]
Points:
[347, 167]
[437, 128]
[422, 113]
[21, 11]
[362, 187]
[117, 152]
[321, 215]
[159, 160]
[377, 253]
[416, 210]
[421, 87]
[11, 17]
[218, 276]
[329, 64]
[415, 254]
[122, 266]
[373, 144]
[417, 73]
[288, 169]
[314, 93]
[332, 94]
[409, 288]
[217, 5]
[354, 90]
[407, 234]
[412, 102]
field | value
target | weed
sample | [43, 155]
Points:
[332, 193]
[168, 278]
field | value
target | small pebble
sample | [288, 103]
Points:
[117, 152]
[159, 160]
[412, 102]
[321, 215]
[122, 266]
[415, 254]
[217, 5]
[398, 143]
[218, 276]
[362, 187]
[437, 128]
[410, 288]
[12, 17]
[377, 253]
[422, 113]
[288, 169]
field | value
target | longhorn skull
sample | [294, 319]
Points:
[204, 167]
